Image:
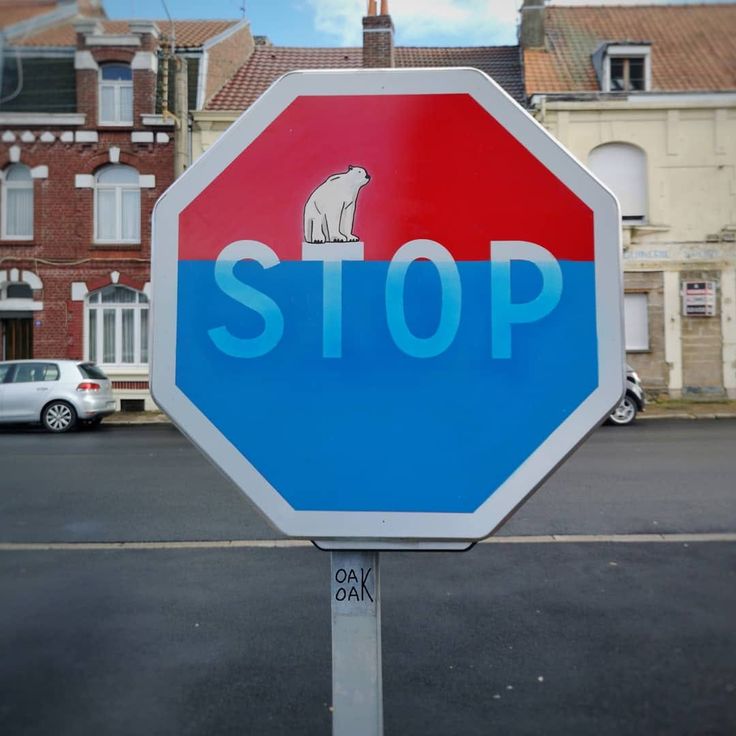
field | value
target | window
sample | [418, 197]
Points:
[117, 326]
[624, 67]
[636, 321]
[116, 94]
[117, 205]
[627, 74]
[623, 169]
[17, 203]
[18, 291]
[34, 372]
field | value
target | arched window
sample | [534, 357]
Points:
[622, 167]
[17, 203]
[18, 291]
[117, 205]
[116, 94]
[117, 326]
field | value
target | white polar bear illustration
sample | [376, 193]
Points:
[330, 210]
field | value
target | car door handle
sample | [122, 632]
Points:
[42, 388]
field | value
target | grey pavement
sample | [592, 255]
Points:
[573, 639]
[512, 637]
[149, 483]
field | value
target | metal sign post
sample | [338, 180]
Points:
[357, 683]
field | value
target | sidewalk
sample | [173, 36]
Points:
[688, 409]
[669, 409]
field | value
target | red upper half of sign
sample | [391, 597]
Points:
[440, 168]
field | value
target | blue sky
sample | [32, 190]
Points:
[338, 22]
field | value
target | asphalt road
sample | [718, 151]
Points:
[513, 638]
[148, 483]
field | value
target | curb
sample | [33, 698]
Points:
[681, 415]
[165, 421]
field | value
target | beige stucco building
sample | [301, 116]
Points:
[655, 118]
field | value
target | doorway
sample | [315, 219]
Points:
[16, 338]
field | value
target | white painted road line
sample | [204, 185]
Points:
[290, 543]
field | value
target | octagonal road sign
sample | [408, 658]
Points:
[387, 304]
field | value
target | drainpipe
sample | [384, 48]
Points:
[181, 107]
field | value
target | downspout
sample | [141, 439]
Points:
[180, 117]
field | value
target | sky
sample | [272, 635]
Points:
[338, 22]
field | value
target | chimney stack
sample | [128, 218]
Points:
[531, 31]
[378, 37]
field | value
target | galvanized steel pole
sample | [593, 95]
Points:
[357, 682]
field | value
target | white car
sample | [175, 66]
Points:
[59, 394]
[634, 400]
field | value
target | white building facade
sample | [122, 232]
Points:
[641, 115]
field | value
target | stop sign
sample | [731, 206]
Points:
[387, 304]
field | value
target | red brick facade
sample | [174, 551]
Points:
[225, 57]
[64, 158]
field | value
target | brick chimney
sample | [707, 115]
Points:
[378, 36]
[531, 30]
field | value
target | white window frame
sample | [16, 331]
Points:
[633, 310]
[23, 185]
[627, 51]
[99, 338]
[118, 189]
[116, 85]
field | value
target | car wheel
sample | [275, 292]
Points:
[59, 416]
[625, 412]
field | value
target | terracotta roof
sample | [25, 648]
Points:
[189, 33]
[16, 12]
[693, 46]
[502, 63]
[268, 63]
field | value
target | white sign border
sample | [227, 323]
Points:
[372, 528]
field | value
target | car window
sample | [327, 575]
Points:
[90, 370]
[32, 372]
[4, 370]
[50, 372]
[24, 373]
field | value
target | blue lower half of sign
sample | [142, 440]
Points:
[372, 427]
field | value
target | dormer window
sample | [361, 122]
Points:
[623, 67]
[627, 74]
[116, 94]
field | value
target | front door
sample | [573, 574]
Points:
[16, 338]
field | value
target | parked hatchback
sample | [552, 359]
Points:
[59, 394]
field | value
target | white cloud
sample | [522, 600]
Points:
[419, 21]
[439, 22]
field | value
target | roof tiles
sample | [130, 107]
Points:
[189, 33]
[693, 46]
[268, 63]
[11, 13]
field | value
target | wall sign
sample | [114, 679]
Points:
[698, 298]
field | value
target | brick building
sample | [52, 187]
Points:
[87, 146]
